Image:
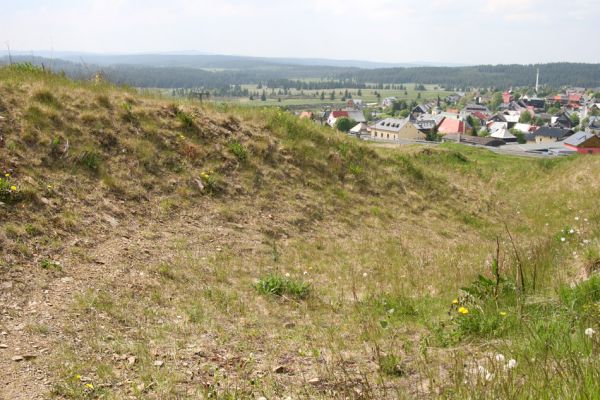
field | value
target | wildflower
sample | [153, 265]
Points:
[13, 188]
[7, 175]
[463, 310]
[455, 301]
[89, 386]
[499, 357]
[78, 377]
[585, 219]
[572, 231]
[49, 186]
[287, 274]
[576, 218]
[512, 363]
[364, 274]
[589, 332]
[562, 239]
[503, 313]
[391, 311]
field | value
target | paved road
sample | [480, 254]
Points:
[512, 150]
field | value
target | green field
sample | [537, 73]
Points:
[310, 99]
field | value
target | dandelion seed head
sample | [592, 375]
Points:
[589, 332]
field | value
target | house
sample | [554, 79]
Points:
[496, 126]
[453, 126]
[505, 135]
[394, 129]
[524, 128]
[388, 102]
[537, 103]
[359, 129]
[426, 123]
[507, 97]
[594, 125]
[355, 103]
[549, 134]
[474, 140]
[356, 115]
[481, 116]
[471, 108]
[584, 143]
[334, 116]
[421, 109]
[561, 120]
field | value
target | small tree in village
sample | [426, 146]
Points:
[344, 124]
[525, 117]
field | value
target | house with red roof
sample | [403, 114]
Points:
[334, 116]
[453, 126]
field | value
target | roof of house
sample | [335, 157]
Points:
[339, 114]
[478, 140]
[360, 127]
[578, 138]
[391, 124]
[504, 134]
[356, 115]
[450, 125]
[480, 115]
[525, 128]
[557, 133]
[495, 126]
[422, 108]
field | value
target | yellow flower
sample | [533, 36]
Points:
[7, 175]
[89, 386]
[13, 188]
[463, 310]
[455, 301]
[78, 377]
[49, 186]
[502, 313]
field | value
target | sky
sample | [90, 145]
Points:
[399, 31]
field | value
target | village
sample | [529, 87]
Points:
[513, 121]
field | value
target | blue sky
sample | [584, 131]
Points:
[453, 31]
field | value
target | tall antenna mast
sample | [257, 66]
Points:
[9, 55]
[537, 81]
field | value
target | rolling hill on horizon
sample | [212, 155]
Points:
[216, 72]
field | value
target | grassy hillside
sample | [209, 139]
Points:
[159, 250]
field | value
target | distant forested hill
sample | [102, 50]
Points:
[225, 73]
[502, 76]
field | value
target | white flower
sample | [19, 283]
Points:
[572, 231]
[287, 274]
[576, 218]
[364, 274]
[512, 363]
[305, 272]
[500, 357]
[562, 239]
[391, 311]
[589, 332]
[585, 219]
